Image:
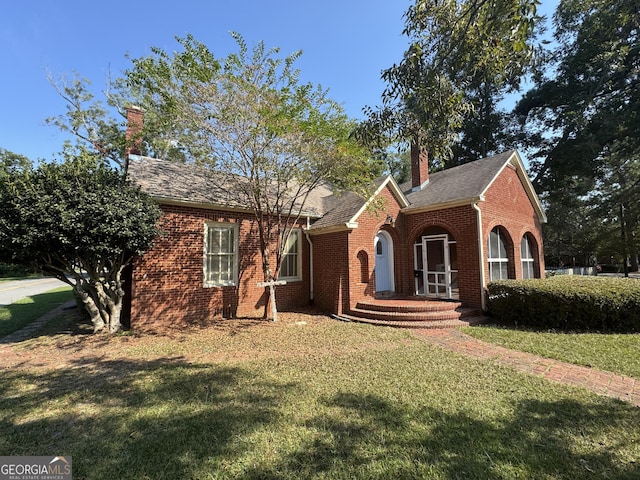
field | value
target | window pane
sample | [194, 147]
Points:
[504, 270]
[527, 269]
[214, 268]
[493, 244]
[285, 269]
[225, 269]
[292, 243]
[291, 254]
[525, 249]
[220, 258]
[453, 256]
[503, 248]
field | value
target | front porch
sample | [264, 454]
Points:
[402, 311]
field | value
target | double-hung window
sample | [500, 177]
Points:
[498, 259]
[527, 258]
[220, 254]
[290, 268]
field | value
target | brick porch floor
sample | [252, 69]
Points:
[601, 382]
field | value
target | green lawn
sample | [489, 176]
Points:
[619, 353]
[321, 399]
[15, 316]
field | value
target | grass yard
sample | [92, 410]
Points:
[308, 397]
[618, 353]
[15, 316]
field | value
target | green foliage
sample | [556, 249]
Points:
[568, 303]
[80, 209]
[90, 121]
[12, 162]
[76, 218]
[581, 119]
[269, 138]
[453, 45]
[248, 115]
[10, 270]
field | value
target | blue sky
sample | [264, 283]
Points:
[346, 44]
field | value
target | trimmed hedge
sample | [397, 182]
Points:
[568, 303]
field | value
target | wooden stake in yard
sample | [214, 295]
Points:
[271, 284]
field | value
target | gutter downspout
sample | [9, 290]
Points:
[306, 234]
[483, 285]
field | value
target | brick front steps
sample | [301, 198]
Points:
[413, 312]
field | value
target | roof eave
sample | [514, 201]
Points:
[395, 189]
[343, 227]
[213, 206]
[441, 206]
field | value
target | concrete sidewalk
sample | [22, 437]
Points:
[598, 381]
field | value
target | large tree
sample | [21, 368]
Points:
[581, 117]
[452, 44]
[268, 139]
[80, 221]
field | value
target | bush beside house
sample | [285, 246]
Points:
[568, 303]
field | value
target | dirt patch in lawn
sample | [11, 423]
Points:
[68, 342]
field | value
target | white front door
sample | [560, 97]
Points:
[384, 262]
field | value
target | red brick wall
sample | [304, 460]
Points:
[508, 206]
[338, 258]
[362, 239]
[461, 224]
[331, 271]
[167, 282]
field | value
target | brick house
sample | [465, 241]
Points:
[441, 237]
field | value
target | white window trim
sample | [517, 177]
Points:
[298, 276]
[527, 260]
[497, 262]
[234, 280]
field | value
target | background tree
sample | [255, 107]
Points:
[79, 221]
[581, 117]
[11, 162]
[452, 44]
[268, 139]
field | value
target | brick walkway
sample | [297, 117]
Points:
[600, 382]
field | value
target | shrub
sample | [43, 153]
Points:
[568, 303]
[11, 270]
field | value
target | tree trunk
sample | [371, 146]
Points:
[91, 307]
[272, 300]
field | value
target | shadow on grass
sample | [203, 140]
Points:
[369, 437]
[170, 419]
[17, 315]
[129, 419]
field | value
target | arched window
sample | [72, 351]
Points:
[526, 256]
[498, 258]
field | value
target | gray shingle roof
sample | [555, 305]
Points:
[175, 182]
[457, 184]
[344, 209]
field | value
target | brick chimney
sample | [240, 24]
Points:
[419, 167]
[133, 136]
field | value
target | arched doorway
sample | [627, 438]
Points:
[383, 246]
[436, 264]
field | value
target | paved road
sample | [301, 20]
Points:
[15, 290]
